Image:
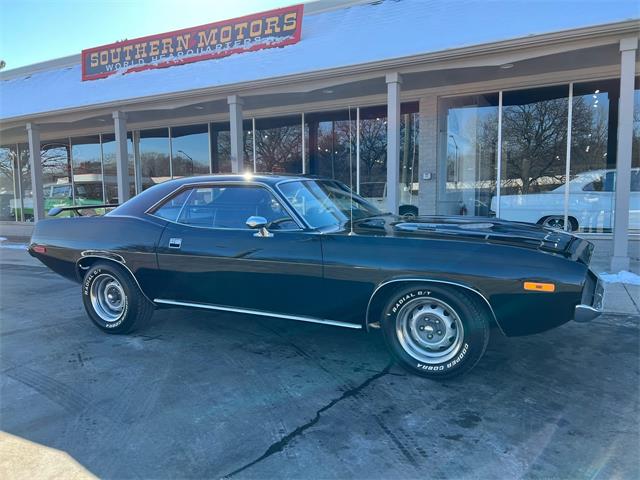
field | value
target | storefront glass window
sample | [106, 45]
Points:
[25, 200]
[247, 137]
[154, 153]
[220, 148]
[86, 155]
[332, 145]
[409, 157]
[468, 168]
[593, 157]
[56, 174]
[634, 199]
[8, 178]
[534, 147]
[278, 144]
[110, 171]
[190, 150]
[373, 154]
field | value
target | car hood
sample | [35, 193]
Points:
[479, 229]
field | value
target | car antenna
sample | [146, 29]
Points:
[351, 232]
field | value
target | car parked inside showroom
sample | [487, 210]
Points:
[590, 203]
[309, 249]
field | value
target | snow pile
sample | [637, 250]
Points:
[621, 277]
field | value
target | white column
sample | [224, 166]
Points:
[237, 143]
[393, 141]
[620, 260]
[35, 163]
[122, 156]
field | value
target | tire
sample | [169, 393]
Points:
[113, 299]
[557, 222]
[408, 211]
[416, 312]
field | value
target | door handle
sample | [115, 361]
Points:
[175, 242]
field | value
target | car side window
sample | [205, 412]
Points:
[63, 191]
[226, 206]
[172, 207]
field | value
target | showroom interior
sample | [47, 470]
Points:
[541, 128]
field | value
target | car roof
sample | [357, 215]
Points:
[270, 179]
[143, 201]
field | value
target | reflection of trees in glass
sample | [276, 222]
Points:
[635, 150]
[409, 149]
[373, 150]
[534, 137]
[154, 164]
[334, 147]
[56, 161]
[589, 133]
[279, 149]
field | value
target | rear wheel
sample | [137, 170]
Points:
[113, 300]
[557, 222]
[434, 331]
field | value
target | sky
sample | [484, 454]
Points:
[33, 31]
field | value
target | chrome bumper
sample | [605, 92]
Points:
[592, 296]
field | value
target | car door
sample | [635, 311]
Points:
[208, 255]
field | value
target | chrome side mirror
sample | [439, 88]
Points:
[260, 224]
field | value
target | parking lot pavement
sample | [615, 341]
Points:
[213, 395]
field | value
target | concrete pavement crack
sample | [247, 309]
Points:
[280, 445]
[631, 297]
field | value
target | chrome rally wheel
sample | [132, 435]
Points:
[113, 300]
[108, 297]
[434, 330]
[429, 330]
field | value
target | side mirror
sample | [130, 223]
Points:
[260, 224]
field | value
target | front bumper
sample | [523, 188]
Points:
[591, 303]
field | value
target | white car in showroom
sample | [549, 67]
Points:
[591, 201]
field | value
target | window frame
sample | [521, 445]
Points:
[302, 226]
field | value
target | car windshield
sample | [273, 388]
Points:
[325, 203]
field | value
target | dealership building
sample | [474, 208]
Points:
[527, 111]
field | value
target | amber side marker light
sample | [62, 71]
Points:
[39, 249]
[539, 287]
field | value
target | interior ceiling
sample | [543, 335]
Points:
[576, 59]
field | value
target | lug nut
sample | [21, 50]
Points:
[429, 336]
[439, 332]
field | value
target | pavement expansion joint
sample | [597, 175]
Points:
[280, 445]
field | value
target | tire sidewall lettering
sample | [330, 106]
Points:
[86, 287]
[453, 363]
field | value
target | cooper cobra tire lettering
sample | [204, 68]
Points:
[136, 309]
[470, 311]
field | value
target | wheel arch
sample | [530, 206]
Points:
[572, 219]
[89, 258]
[384, 289]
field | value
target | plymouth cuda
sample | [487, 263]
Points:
[309, 249]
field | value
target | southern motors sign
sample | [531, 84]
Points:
[275, 28]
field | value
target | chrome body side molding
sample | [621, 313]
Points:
[224, 308]
[429, 280]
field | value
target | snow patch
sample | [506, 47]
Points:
[621, 277]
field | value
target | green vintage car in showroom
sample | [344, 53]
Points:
[60, 194]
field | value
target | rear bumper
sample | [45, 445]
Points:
[591, 303]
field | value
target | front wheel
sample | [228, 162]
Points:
[435, 332]
[113, 299]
